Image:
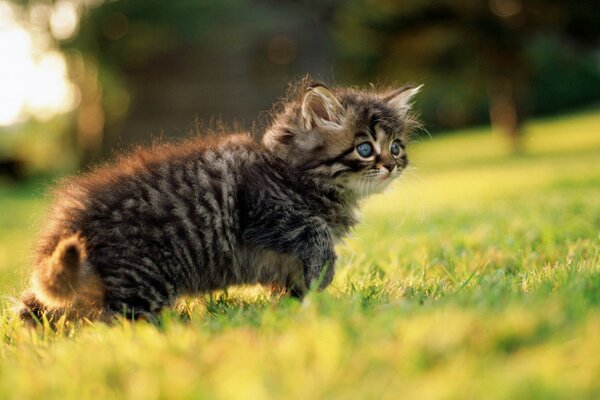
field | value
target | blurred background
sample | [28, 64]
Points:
[477, 275]
[81, 79]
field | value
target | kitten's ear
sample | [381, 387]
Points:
[320, 107]
[400, 99]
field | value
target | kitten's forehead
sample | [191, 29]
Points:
[372, 115]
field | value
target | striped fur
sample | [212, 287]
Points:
[202, 215]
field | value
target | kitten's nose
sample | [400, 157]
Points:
[384, 170]
[389, 167]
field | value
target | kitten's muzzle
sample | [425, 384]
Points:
[386, 169]
[390, 167]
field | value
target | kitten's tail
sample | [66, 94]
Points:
[57, 279]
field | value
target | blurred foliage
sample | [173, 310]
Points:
[120, 38]
[562, 77]
[505, 55]
[498, 60]
[46, 147]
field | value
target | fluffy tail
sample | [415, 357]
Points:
[57, 279]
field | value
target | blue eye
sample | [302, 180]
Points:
[364, 149]
[395, 147]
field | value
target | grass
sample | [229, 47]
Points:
[477, 276]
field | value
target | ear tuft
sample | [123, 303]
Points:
[400, 99]
[320, 107]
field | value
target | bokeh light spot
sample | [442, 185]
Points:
[506, 8]
[33, 80]
[64, 20]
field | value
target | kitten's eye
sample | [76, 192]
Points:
[395, 147]
[364, 149]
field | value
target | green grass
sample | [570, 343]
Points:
[477, 276]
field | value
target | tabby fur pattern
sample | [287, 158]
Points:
[193, 217]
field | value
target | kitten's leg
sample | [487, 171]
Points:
[290, 281]
[133, 299]
[296, 292]
[288, 289]
[318, 268]
[308, 239]
[312, 244]
[318, 257]
[32, 309]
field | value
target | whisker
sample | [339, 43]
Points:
[413, 177]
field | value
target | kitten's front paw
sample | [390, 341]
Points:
[321, 275]
[329, 273]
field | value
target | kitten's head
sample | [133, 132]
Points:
[355, 138]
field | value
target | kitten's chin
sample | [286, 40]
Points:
[367, 186]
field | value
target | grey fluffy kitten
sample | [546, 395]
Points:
[213, 212]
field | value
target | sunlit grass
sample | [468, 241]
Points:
[477, 276]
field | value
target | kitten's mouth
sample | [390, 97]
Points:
[382, 174]
[372, 181]
[383, 178]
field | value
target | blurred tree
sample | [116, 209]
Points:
[144, 66]
[161, 63]
[477, 44]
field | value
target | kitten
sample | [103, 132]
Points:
[214, 212]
